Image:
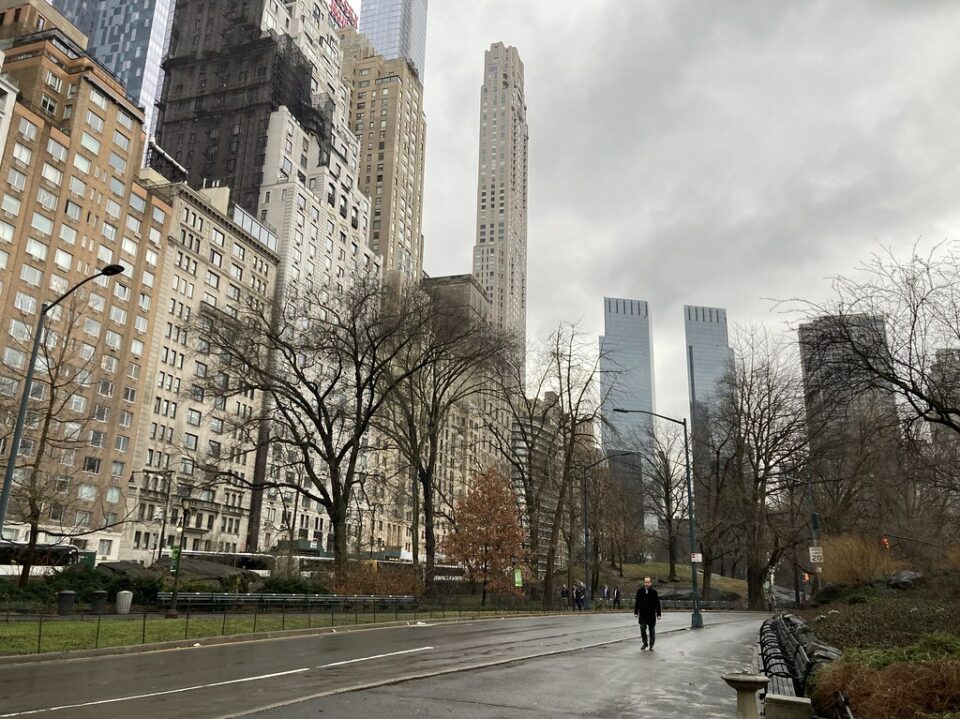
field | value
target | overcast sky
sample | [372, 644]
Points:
[715, 153]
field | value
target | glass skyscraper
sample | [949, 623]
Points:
[129, 39]
[708, 353]
[397, 28]
[626, 374]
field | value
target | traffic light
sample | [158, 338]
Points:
[885, 542]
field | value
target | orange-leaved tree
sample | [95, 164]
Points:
[488, 539]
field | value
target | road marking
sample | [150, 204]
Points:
[149, 695]
[154, 694]
[375, 656]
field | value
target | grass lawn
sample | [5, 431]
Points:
[633, 575]
[32, 635]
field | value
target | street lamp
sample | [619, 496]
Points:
[108, 271]
[696, 620]
[185, 502]
[588, 598]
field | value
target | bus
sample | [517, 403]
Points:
[47, 558]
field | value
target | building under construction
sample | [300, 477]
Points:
[226, 72]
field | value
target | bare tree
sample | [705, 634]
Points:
[326, 364]
[58, 424]
[761, 416]
[449, 367]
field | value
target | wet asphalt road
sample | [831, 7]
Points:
[568, 665]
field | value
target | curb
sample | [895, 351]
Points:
[198, 642]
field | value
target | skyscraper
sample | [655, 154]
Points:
[397, 28]
[130, 39]
[708, 355]
[500, 253]
[626, 373]
[386, 115]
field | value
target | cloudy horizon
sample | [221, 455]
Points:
[718, 154]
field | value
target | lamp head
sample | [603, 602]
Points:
[111, 270]
[621, 410]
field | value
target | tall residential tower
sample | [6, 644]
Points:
[500, 253]
[397, 28]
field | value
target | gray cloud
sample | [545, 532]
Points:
[700, 152]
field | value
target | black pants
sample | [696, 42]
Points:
[643, 633]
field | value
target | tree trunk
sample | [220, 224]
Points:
[672, 550]
[28, 556]
[430, 538]
[415, 526]
[707, 567]
[756, 573]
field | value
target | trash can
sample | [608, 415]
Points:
[99, 603]
[65, 600]
[124, 599]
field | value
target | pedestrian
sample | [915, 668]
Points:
[564, 593]
[616, 598]
[646, 608]
[578, 596]
[606, 595]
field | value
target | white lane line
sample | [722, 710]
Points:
[154, 694]
[375, 656]
[181, 690]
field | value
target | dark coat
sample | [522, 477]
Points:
[647, 605]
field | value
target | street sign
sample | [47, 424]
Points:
[816, 555]
[517, 577]
[696, 557]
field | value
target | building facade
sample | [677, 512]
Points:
[130, 39]
[500, 252]
[216, 259]
[397, 29]
[72, 204]
[386, 114]
[626, 374]
[708, 357]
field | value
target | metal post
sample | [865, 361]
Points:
[586, 545]
[21, 418]
[172, 611]
[696, 619]
[107, 271]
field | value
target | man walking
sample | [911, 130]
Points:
[646, 607]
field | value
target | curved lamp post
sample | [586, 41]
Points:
[108, 271]
[696, 620]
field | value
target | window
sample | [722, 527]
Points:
[104, 547]
[31, 275]
[193, 417]
[121, 140]
[63, 259]
[36, 249]
[118, 162]
[201, 370]
[54, 81]
[82, 163]
[52, 174]
[17, 180]
[98, 438]
[28, 129]
[122, 444]
[98, 98]
[48, 104]
[87, 492]
[82, 520]
[91, 143]
[77, 186]
[11, 205]
[190, 441]
[56, 150]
